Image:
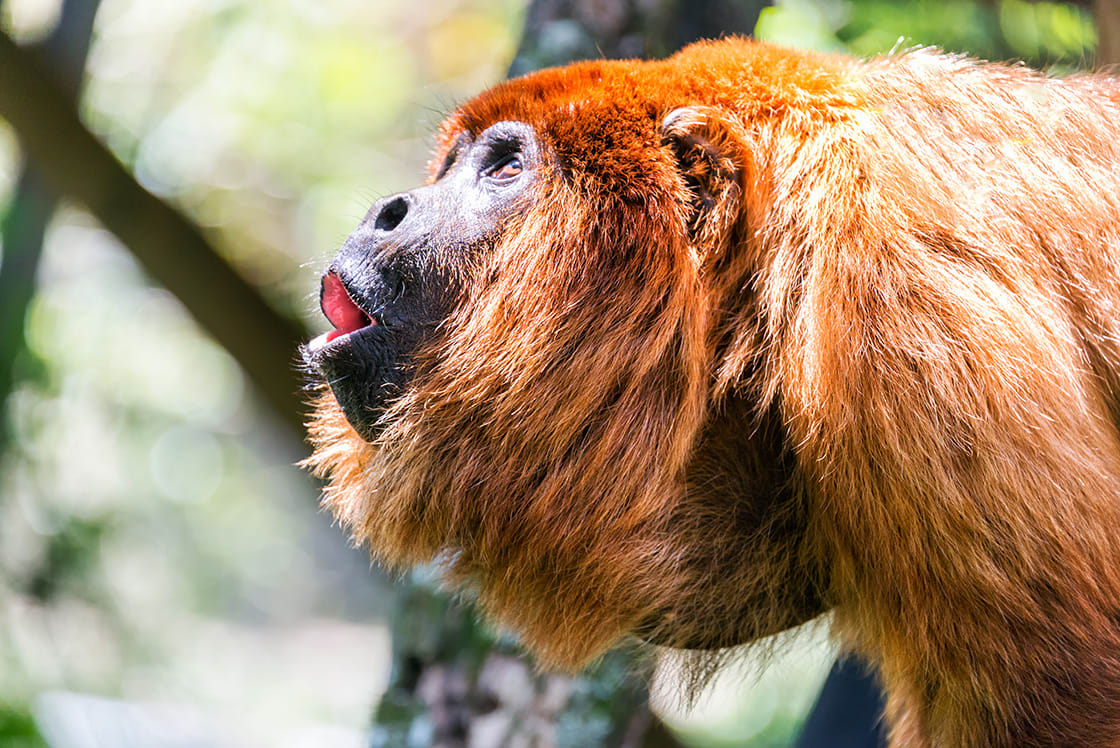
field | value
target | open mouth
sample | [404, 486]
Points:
[359, 358]
[340, 309]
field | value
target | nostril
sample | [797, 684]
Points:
[391, 214]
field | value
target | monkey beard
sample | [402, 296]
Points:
[541, 446]
[572, 586]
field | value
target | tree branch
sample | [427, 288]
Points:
[169, 246]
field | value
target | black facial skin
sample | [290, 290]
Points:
[401, 265]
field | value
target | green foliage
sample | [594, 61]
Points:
[17, 728]
[1042, 34]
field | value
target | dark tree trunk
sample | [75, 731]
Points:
[1107, 15]
[562, 31]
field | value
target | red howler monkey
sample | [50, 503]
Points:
[697, 349]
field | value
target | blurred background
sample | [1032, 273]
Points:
[165, 575]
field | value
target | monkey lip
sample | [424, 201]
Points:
[341, 310]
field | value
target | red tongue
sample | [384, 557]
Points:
[343, 313]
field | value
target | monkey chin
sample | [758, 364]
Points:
[360, 369]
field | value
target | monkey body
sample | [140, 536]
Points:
[752, 334]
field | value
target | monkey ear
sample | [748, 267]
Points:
[708, 152]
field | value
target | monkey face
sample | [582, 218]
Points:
[399, 274]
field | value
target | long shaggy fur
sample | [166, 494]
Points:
[881, 374]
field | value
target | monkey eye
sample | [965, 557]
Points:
[506, 169]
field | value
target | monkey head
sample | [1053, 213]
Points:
[397, 278]
[536, 373]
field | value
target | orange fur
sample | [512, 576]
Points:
[882, 376]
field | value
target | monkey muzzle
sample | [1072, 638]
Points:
[357, 359]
